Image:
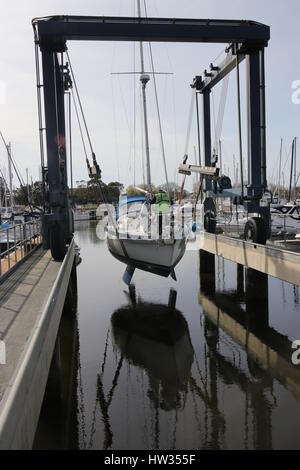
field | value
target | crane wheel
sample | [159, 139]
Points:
[209, 222]
[256, 231]
[57, 243]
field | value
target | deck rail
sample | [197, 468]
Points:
[17, 242]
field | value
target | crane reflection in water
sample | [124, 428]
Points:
[240, 318]
[241, 351]
[218, 376]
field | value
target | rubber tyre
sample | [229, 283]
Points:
[57, 243]
[209, 222]
[256, 231]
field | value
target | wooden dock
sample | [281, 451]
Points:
[278, 262]
[16, 255]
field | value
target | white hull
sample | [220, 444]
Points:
[150, 255]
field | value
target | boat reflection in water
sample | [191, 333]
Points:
[156, 338]
[199, 399]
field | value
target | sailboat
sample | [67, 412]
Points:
[142, 237]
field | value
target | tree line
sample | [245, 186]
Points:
[89, 192]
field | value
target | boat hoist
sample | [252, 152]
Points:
[246, 39]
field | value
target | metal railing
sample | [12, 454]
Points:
[18, 241]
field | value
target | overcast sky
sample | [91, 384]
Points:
[108, 99]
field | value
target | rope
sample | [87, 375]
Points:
[183, 181]
[162, 145]
[197, 197]
[79, 125]
[198, 129]
[127, 122]
[116, 131]
[220, 117]
[158, 114]
[181, 190]
[191, 112]
[175, 130]
[88, 136]
[97, 178]
[80, 105]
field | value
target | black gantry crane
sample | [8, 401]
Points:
[245, 38]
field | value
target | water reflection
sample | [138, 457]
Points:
[91, 231]
[206, 367]
[254, 389]
[58, 423]
[155, 338]
[243, 314]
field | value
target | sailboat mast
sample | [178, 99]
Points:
[5, 192]
[280, 159]
[27, 185]
[144, 78]
[10, 175]
[295, 170]
[291, 171]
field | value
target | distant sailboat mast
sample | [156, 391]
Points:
[279, 176]
[144, 78]
[295, 170]
[5, 191]
[10, 175]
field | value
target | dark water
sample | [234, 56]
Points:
[174, 365]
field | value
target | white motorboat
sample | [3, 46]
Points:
[285, 218]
